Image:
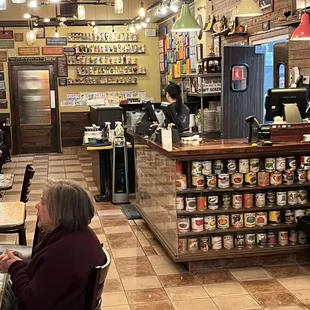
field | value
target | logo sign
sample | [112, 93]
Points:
[62, 41]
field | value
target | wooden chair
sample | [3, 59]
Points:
[21, 229]
[96, 283]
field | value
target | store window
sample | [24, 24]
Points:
[239, 77]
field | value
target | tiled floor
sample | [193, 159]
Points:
[142, 276]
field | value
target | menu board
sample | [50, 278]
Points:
[52, 50]
[62, 66]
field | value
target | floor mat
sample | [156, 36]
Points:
[131, 212]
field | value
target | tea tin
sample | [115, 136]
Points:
[190, 204]
[239, 241]
[216, 242]
[275, 178]
[226, 201]
[231, 166]
[192, 245]
[180, 203]
[183, 224]
[237, 201]
[237, 220]
[213, 202]
[289, 217]
[223, 180]
[196, 167]
[205, 244]
[179, 167]
[260, 200]
[249, 240]
[249, 219]
[237, 179]
[280, 163]
[292, 236]
[201, 203]
[250, 178]
[198, 181]
[222, 221]
[271, 238]
[182, 245]
[274, 217]
[228, 242]
[288, 177]
[270, 164]
[211, 180]
[181, 182]
[291, 163]
[263, 178]
[244, 165]
[261, 239]
[197, 223]
[305, 162]
[302, 196]
[209, 222]
[254, 164]
[301, 176]
[207, 165]
[261, 218]
[281, 199]
[270, 198]
[218, 167]
[248, 200]
[292, 198]
[283, 237]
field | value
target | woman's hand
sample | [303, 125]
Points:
[7, 258]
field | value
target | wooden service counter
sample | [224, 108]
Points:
[227, 224]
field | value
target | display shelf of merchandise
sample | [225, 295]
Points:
[100, 65]
[102, 84]
[106, 42]
[292, 22]
[117, 74]
[109, 53]
[205, 94]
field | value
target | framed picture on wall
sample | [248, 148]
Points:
[300, 4]
[217, 45]
[266, 6]
[40, 32]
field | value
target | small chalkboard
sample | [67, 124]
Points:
[62, 66]
[62, 82]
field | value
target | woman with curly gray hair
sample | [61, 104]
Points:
[56, 277]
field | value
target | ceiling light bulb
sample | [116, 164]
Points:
[27, 15]
[144, 24]
[138, 26]
[81, 12]
[63, 19]
[54, 1]
[142, 11]
[147, 19]
[18, 1]
[46, 20]
[174, 8]
[163, 10]
[93, 23]
[56, 33]
[132, 29]
[33, 4]
[118, 6]
[96, 30]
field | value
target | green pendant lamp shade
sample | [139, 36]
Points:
[186, 22]
[248, 8]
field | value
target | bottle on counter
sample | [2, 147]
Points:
[119, 130]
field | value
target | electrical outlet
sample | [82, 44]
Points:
[306, 79]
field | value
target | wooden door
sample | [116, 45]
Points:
[35, 126]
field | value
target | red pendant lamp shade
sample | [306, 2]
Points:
[302, 32]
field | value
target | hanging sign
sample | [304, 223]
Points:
[6, 34]
[62, 41]
[28, 51]
[52, 50]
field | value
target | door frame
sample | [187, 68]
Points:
[14, 111]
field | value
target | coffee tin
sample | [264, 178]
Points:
[270, 164]
[249, 240]
[237, 179]
[237, 220]
[183, 224]
[226, 201]
[261, 239]
[283, 237]
[180, 203]
[205, 244]
[299, 213]
[198, 181]
[201, 203]
[216, 242]
[222, 221]
[197, 223]
[281, 199]
[182, 245]
[271, 238]
[289, 217]
[270, 198]
[211, 180]
[196, 167]
[275, 178]
[254, 164]
[250, 178]
[213, 202]
[209, 222]
[181, 182]
[218, 167]
[261, 218]
[244, 165]
[239, 241]
[260, 200]
[302, 237]
[207, 167]
[291, 163]
[292, 236]
[237, 201]
[228, 242]
[190, 204]
[280, 163]
[248, 200]
[206, 172]
[179, 167]
[231, 166]
[274, 217]
[192, 245]
[292, 198]
[223, 180]
[301, 176]
[305, 162]
[263, 178]
[302, 196]
[249, 219]
[288, 177]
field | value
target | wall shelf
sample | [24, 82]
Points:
[101, 84]
[108, 53]
[118, 74]
[106, 42]
[101, 65]
[203, 75]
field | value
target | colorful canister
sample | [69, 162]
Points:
[205, 243]
[207, 167]
[181, 182]
[244, 165]
[218, 167]
[250, 178]
[271, 238]
[270, 198]
[280, 163]
[198, 181]
[305, 162]
[213, 202]
[216, 242]
[183, 224]
[231, 166]
[237, 201]
[192, 245]
[182, 245]
[299, 213]
[270, 164]
[226, 201]
[190, 204]
[275, 178]
[263, 178]
[209, 222]
[283, 237]
[291, 163]
[222, 221]
[292, 236]
[249, 240]
[211, 180]
[288, 177]
[180, 203]
[260, 199]
[249, 219]
[201, 203]
[302, 196]
[179, 167]
[274, 217]
[261, 218]
[261, 239]
[289, 217]
[237, 179]
[228, 242]
[237, 220]
[302, 237]
[254, 164]
[248, 200]
[292, 198]
[223, 180]
[196, 167]
[197, 223]
[239, 241]
[281, 198]
[301, 176]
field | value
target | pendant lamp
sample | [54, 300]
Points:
[186, 22]
[81, 12]
[248, 8]
[2, 5]
[18, 1]
[119, 7]
[302, 32]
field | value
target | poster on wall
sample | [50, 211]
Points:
[19, 37]
[6, 34]
[266, 6]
